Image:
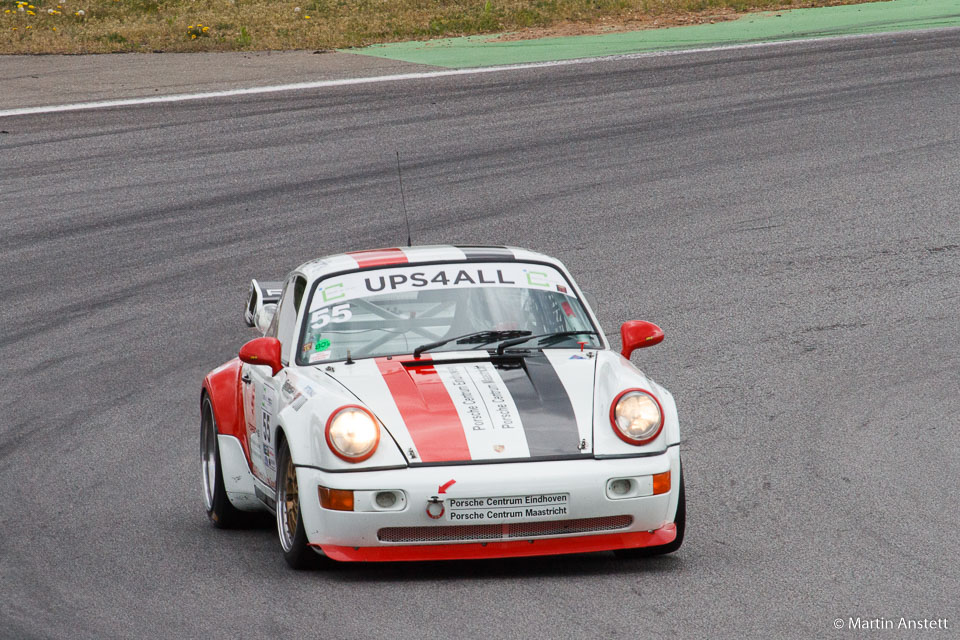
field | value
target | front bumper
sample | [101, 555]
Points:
[591, 520]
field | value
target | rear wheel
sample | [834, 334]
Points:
[680, 520]
[223, 514]
[293, 538]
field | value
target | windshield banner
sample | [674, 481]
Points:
[365, 284]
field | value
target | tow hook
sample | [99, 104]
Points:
[435, 508]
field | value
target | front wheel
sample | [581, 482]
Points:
[223, 514]
[680, 520]
[293, 538]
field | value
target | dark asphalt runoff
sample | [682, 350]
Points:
[789, 215]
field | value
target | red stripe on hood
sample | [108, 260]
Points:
[427, 409]
[378, 257]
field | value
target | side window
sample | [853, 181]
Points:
[283, 326]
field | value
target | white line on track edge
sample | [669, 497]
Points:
[426, 75]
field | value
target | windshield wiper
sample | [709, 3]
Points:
[555, 335]
[477, 337]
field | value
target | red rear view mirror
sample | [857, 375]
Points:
[637, 334]
[262, 351]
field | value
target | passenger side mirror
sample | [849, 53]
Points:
[262, 351]
[637, 334]
[265, 316]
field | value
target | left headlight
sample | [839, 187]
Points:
[353, 433]
[636, 416]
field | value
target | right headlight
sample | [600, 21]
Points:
[636, 416]
[353, 433]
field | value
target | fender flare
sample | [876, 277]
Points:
[298, 438]
[222, 386]
[671, 416]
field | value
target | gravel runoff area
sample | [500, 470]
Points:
[33, 81]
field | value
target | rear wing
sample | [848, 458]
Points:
[261, 293]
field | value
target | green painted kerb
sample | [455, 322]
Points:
[875, 17]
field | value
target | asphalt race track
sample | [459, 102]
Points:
[789, 215]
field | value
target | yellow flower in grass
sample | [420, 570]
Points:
[197, 30]
[31, 13]
[306, 17]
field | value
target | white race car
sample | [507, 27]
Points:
[441, 402]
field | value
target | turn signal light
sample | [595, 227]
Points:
[337, 499]
[661, 483]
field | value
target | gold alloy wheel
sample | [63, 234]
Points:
[291, 500]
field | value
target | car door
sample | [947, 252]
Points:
[261, 389]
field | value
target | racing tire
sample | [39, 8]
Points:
[293, 537]
[221, 512]
[680, 520]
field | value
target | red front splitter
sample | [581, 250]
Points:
[503, 549]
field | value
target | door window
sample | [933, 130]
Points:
[284, 324]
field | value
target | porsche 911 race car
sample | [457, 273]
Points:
[443, 402]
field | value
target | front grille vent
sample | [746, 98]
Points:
[479, 532]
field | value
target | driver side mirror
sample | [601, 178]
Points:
[637, 334]
[262, 351]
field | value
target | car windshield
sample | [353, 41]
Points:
[394, 310]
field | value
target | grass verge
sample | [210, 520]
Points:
[102, 26]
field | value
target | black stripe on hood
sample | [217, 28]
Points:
[544, 406]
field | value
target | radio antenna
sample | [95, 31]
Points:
[403, 200]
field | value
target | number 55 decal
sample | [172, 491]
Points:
[338, 313]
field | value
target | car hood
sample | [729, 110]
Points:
[458, 407]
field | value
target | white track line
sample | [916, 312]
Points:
[427, 75]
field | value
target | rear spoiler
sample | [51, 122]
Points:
[261, 293]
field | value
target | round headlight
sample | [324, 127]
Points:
[353, 433]
[636, 416]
